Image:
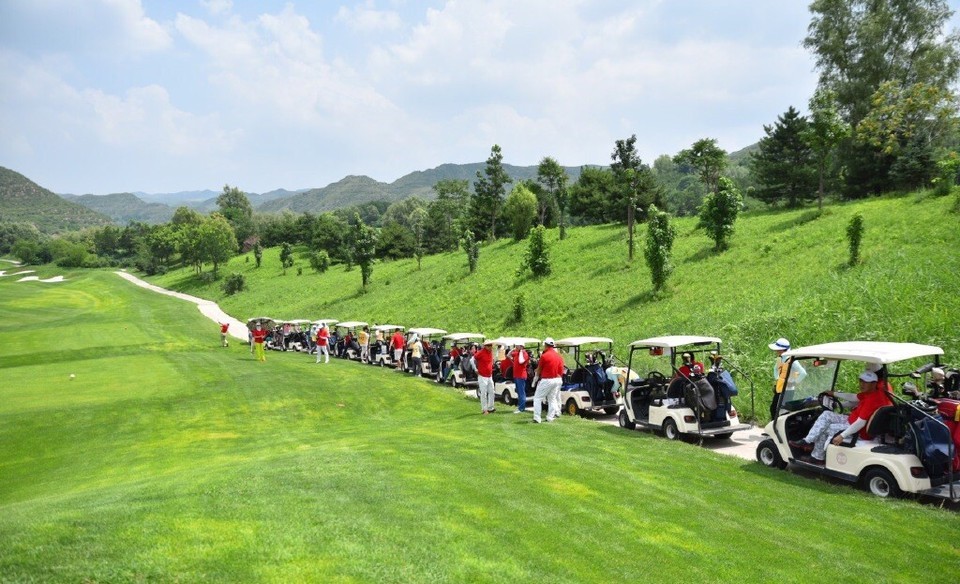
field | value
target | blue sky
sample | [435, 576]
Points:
[105, 96]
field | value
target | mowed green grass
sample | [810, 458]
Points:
[169, 458]
[785, 275]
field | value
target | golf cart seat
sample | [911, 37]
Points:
[886, 425]
[676, 388]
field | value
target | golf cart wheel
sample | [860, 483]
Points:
[878, 481]
[724, 436]
[624, 420]
[670, 431]
[610, 410]
[505, 396]
[571, 407]
[769, 455]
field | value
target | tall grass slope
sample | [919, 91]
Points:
[786, 274]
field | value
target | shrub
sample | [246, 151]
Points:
[947, 169]
[472, 247]
[537, 259]
[234, 283]
[660, 236]
[855, 237]
[320, 261]
[519, 307]
[719, 212]
[286, 256]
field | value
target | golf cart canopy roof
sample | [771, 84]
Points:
[464, 336]
[389, 327]
[297, 321]
[351, 324]
[867, 351]
[325, 321]
[427, 332]
[673, 341]
[577, 341]
[514, 341]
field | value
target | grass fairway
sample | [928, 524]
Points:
[171, 459]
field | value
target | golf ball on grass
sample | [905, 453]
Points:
[72, 376]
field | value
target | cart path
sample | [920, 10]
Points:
[208, 308]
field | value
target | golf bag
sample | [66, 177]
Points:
[701, 397]
[931, 441]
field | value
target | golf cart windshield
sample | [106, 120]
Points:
[808, 378]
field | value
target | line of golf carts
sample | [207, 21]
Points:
[665, 387]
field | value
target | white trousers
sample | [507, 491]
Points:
[485, 391]
[323, 350]
[547, 390]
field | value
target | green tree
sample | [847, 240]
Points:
[537, 258]
[554, 179]
[162, 244]
[719, 212]
[185, 216]
[320, 261]
[286, 256]
[13, 232]
[235, 207]
[707, 158]
[364, 248]
[659, 246]
[418, 220]
[217, 241]
[595, 197]
[489, 190]
[855, 237]
[470, 245]
[258, 252]
[860, 45]
[520, 211]
[783, 163]
[825, 132]
[636, 184]
[395, 241]
[443, 213]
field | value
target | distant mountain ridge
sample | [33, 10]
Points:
[124, 208]
[22, 200]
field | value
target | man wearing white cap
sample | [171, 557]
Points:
[484, 361]
[780, 367]
[827, 426]
[550, 376]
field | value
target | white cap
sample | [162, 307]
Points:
[781, 344]
[868, 376]
[548, 341]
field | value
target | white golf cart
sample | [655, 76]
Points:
[585, 383]
[430, 343]
[691, 402]
[462, 372]
[384, 357]
[911, 449]
[352, 327]
[504, 387]
[297, 337]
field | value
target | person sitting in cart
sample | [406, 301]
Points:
[834, 427]
[690, 366]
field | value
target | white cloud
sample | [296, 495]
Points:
[366, 18]
[217, 7]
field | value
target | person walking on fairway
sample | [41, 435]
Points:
[548, 380]
[323, 337]
[259, 336]
[484, 361]
[224, 327]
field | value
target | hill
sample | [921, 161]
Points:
[124, 208]
[785, 275]
[22, 200]
[353, 190]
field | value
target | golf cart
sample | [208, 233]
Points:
[296, 335]
[430, 351]
[384, 356]
[585, 383]
[348, 349]
[691, 402]
[463, 373]
[910, 450]
[504, 387]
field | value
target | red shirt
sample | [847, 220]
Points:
[397, 340]
[322, 336]
[520, 361]
[869, 402]
[259, 335]
[484, 361]
[551, 364]
[224, 328]
[454, 353]
[506, 367]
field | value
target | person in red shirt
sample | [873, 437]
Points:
[259, 335]
[519, 358]
[834, 427]
[397, 343]
[690, 366]
[484, 362]
[548, 381]
[323, 343]
[224, 327]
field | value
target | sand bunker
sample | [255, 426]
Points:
[4, 273]
[37, 279]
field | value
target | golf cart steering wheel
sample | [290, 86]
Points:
[656, 377]
[829, 402]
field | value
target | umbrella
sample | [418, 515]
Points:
[265, 321]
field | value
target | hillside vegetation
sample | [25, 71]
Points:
[22, 200]
[785, 275]
[125, 207]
